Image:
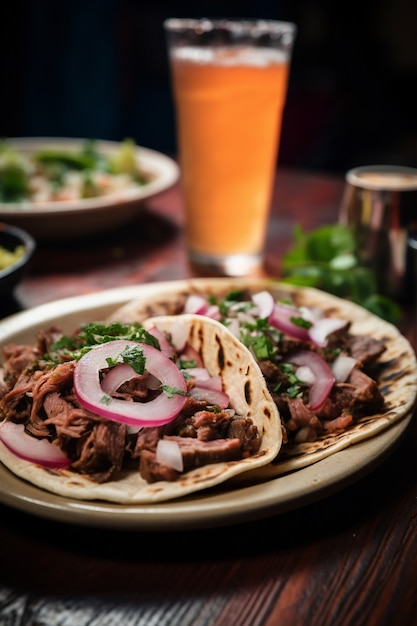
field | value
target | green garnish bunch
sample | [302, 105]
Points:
[326, 258]
[95, 333]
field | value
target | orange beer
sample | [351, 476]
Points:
[229, 104]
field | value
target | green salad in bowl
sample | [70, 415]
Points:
[57, 174]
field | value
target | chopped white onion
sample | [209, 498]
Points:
[305, 374]
[169, 453]
[233, 326]
[342, 367]
[323, 327]
[264, 302]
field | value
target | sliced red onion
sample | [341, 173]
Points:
[169, 453]
[211, 396]
[317, 333]
[213, 312]
[39, 451]
[191, 354]
[202, 378]
[116, 377]
[213, 382]
[164, 344]
[199, 373]
[342, 367]
[264, 302]
[324, 378]
[156, 412]
[280, 318]
[196, 304]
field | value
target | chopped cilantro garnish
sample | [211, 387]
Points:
[187, 364]
[96, 333]
[260, 344]
[172, 391]
[301, 322]
[294, 391]
[133, 356]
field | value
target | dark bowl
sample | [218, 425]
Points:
[10, 237]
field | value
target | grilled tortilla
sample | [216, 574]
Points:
[242, 380]
[396, 372]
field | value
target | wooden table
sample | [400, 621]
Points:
[349, 559]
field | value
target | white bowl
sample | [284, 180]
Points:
[65, 219]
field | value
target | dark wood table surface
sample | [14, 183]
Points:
[347, 559]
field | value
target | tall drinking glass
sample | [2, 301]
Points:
[229, 81]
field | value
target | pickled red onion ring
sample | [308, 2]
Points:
[317, 333]
[164, 344]
[39, 451]
[202, 378]
[158, 411]
[280, 318]
[116, 377]
[323, 376]
[211, 396]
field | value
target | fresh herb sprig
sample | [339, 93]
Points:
[95, 333]
[326, 258]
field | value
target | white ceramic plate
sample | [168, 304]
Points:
[223, 505]
[52, 220]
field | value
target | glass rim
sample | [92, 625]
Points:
[243, 26]
[358, 177]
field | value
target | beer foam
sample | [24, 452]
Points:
[384, 179]
[231, 55]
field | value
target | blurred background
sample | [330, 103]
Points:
[99, 69]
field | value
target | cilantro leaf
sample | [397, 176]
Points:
[326, 259]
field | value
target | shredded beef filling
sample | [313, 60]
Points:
[42, 397]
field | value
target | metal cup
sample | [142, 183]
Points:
[379, 204]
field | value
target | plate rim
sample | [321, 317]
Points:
[206, 509]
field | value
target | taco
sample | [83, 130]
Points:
[135, 414]
[337, 373]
